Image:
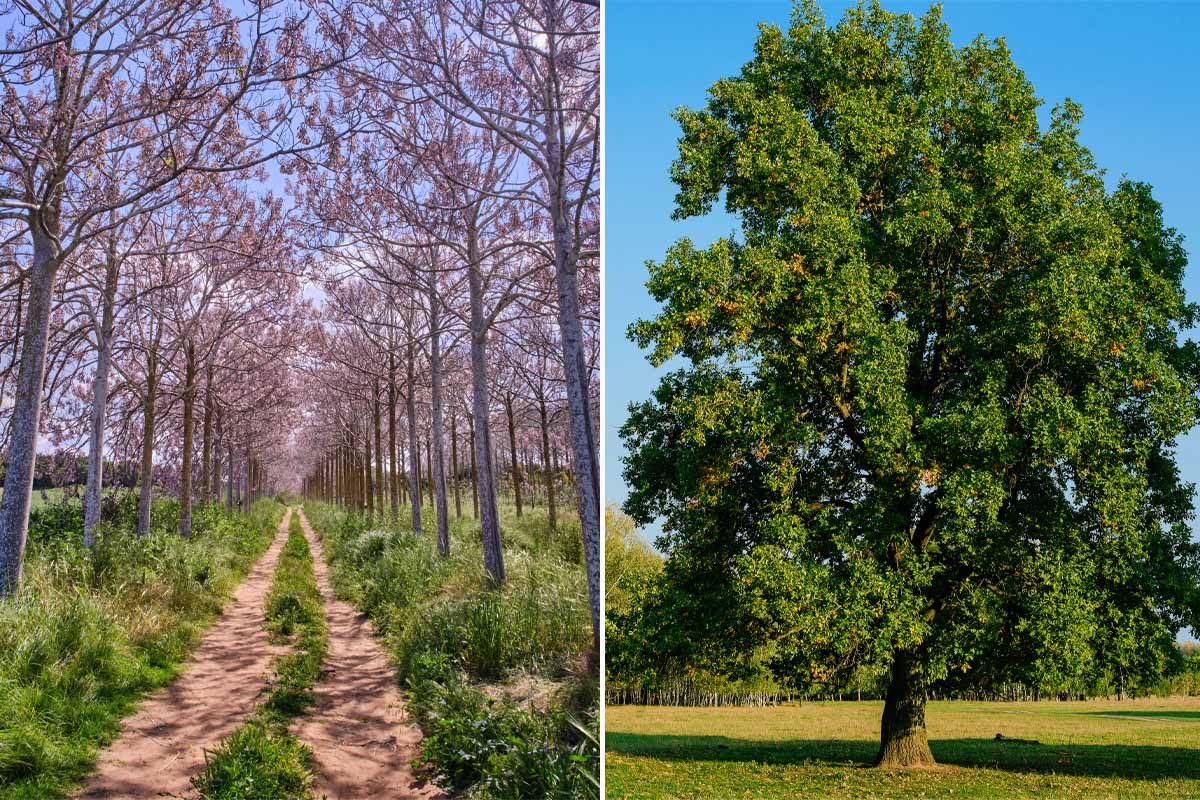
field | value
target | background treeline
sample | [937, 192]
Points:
[645, 665]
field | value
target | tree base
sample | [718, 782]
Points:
[908, 750]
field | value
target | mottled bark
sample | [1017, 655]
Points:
[380, 502]
[551, 506]
[438, 433]
[206, 446]
[149, 401]
[394, 478]
[489, 515]
[95, 478]
[583, 437]
[454, 465]
[27, 405]
[414, 447]
[189, 424]
[512, 448]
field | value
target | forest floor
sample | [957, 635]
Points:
[1148, 748]
[362, 738]
[161, 747]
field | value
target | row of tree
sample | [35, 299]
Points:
[236, 238]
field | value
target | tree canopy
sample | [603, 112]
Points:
[934, 386]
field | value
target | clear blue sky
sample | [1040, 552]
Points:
[1135, 68]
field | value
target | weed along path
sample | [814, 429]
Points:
[362, 739]
[161, 747]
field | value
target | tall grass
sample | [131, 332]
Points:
[91, 632]
[469, 652]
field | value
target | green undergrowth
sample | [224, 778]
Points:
[92, 632]
[263, 760]
[497, 676]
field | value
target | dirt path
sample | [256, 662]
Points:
[161, 747]
[358, 729]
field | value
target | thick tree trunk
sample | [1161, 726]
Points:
[27, 406]
[551, 505]
[438, 434]
[903, 741]
[189, 424]
[95, 478]
[489, 514]
[512, 448]
[583, 437]
[414, 447]
[146, 492]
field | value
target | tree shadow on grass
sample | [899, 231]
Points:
[1132, 762]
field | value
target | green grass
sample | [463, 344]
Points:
[495, 676]
[263, 760]
[1098, 749]
[93, 632]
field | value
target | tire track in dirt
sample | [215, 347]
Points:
[360, 733]
[161, 746]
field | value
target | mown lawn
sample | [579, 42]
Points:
[1098, 749]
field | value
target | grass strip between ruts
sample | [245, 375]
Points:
[263, 760]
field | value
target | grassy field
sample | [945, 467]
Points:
[1098, 749]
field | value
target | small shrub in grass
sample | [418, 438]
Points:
[498, 749]
[260, 761]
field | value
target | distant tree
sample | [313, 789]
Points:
[934, 387]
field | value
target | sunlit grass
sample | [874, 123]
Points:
[1098, 749]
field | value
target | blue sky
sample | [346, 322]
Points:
[1134, 67]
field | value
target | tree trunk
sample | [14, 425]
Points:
[903, 741]
[489, 514]
[394, 482]
[229, 485]
[474, 474]
[368, 477]
[95, 478]
[454, 464]
[551, 506]
[189, 423]
[583, 437]
[146, 493]
[414, 447]
[512, 448]
[379, 486]
[206, 447]
[438, 433]
[27, 406]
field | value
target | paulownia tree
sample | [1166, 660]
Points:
[934, 386]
